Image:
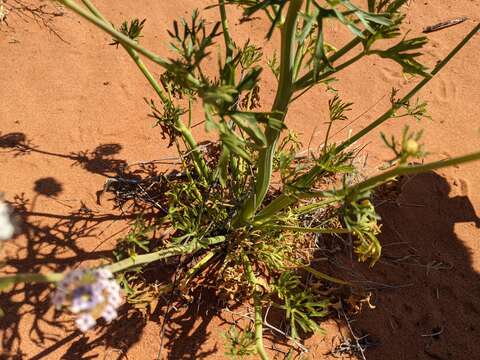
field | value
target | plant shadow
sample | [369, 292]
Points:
[425, 289]
[99, 161]
[50, 242]
[55, 242]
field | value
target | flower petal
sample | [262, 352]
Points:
[85, 322]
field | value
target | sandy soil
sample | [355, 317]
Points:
[72, 113]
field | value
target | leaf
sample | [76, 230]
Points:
[371, 5]
[402, 54]
[214, 240]
[251, 7]
[272, 119]
[367, 18]
[248, 123]
[210, 123]
[132, 30]
[384, 32]
[308, 22]
[235, 144]
[323, 276]
[222, 168]
[192, 43]
[249, 80]
[249, 55]
[361, 219]
[338, 108]
[217, 95]
[300, 305]
[319, 53]
[390, 6]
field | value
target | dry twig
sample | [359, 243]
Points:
[444, 24]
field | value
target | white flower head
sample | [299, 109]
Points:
[7, 229]
[71, 279]
[115, 299]
[104, 274]
[85, 298]
[90, 294]
[58, 299]
[85, 322]
[109, 313]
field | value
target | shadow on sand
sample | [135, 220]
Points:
[52, 242]
[426, 292]
[430, 306]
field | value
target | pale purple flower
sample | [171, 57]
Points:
[109, 313]
[72, 277]
[85, 322]
[104, 274]
[102, 284]
[114, 299]
[89, 293]
[85, 298]
[112, 287]
[58, 298]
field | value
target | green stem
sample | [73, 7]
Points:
[405, 170]
[323, 276]
[187, 136]
[280, 105]
[305, 209]
[6, 281]
[229, 74]
[259, 327]
[317, 230]
[229, 44]
[199, 266]
[299, 57]
[285, 200]
[270, 16]
[387, 115]
[300, 52]
[327, 136]
[118, 266]
[122, 38]
[179, 125]
[309, 79]
[148, 258]
[133, 54]
[258, 307]
[282, 202]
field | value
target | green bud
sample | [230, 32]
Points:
[411, 147]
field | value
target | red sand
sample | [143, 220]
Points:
[72, 96]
